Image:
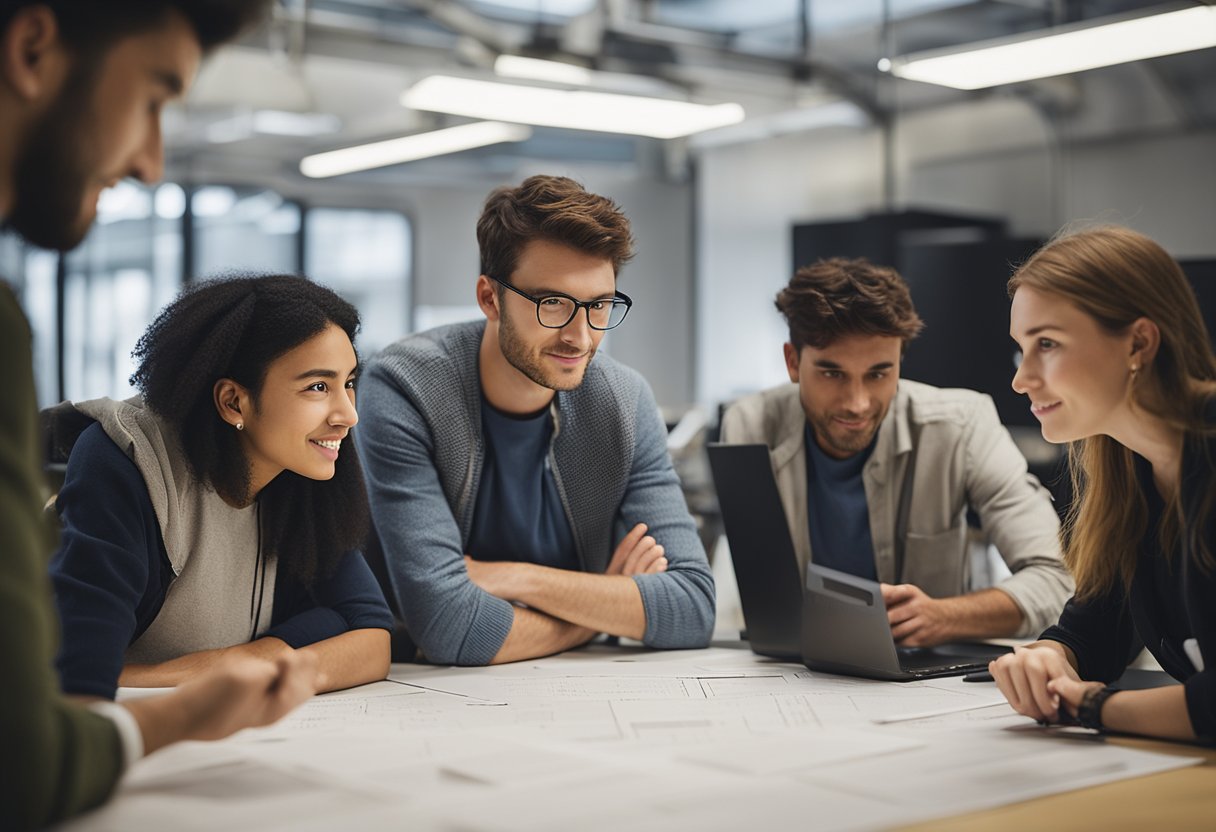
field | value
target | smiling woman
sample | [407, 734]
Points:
[1118, 362]
[223, 512]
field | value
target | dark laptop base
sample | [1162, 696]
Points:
[921, 663]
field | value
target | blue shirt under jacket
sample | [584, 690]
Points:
[519, 514]
[838, 511]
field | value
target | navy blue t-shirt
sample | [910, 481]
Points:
[519, 514]
[838, 511]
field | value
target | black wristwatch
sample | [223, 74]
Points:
[1089, 713]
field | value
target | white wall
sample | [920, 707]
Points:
[996, 157]
[656, 339]
[748, 198]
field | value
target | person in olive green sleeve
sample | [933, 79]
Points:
[71, 69]
[59, 758]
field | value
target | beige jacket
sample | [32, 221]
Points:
[963, 457]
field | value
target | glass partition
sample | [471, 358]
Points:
[133, 260]
[244, 229]
[364, 256]
[127, 269]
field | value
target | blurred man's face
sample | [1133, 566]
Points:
[103, 126]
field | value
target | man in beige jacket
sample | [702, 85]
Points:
[876, 473]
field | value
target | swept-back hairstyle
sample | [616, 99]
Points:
[551, 208]
[1116, 276]
[235, 328]
[92, 26]
[838, 297]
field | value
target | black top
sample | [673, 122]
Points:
[1172, 598]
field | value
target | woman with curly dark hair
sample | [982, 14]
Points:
[223, 512]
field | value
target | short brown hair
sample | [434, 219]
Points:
[551, 208]
[834, 298]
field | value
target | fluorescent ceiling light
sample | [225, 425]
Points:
[573, 75]
[558, 72]
[410, 148]
[572, 109]
[1063, 50]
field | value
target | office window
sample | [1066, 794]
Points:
[127, 269]
[31, 273]
[244, 229]
[12, 259]
[364, 256]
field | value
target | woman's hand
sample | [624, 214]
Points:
[1036, 678]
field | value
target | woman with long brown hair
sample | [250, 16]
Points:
[1117, 362]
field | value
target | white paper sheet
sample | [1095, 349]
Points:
[614, 739]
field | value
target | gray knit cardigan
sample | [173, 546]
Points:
[422, 448]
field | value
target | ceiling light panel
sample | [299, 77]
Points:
[1063, 51]
[411, 148]
[572, 109]
[556, 72]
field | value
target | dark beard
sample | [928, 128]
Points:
[516, 353]
[52, 170]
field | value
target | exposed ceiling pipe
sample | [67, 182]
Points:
[464, 21]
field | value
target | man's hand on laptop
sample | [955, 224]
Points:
[637, 554]
[916, 619]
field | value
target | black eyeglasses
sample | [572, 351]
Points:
[557, 310]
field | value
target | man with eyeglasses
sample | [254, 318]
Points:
[521, 490]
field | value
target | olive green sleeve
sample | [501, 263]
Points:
[58, 758]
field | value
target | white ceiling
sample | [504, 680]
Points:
[350, 60]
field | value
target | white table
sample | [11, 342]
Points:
[624, 738]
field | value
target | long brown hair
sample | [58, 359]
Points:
[1116, 276]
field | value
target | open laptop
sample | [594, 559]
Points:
[840, 624]
[845, 630]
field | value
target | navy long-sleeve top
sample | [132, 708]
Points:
[1172, 598]
[112, 572]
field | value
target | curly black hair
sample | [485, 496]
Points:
[235, 327]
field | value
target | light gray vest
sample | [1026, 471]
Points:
[223, 592]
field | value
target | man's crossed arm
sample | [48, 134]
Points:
[562, 608]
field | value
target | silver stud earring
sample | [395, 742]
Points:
[240, 425]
